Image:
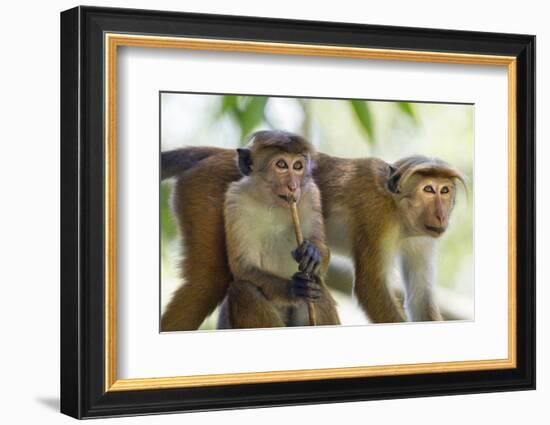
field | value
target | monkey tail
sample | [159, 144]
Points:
[177, 161]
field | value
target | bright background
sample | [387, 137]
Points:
[30, 242]
[345, 128]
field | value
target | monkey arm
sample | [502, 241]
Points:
[324, 252]
[283, 291]
[305, 286]
[375, 298]
[314, 249]
[417, 260]
[371, 286]
[274, 288]
[310, 258]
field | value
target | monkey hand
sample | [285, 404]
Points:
[304, 286]
[308, 257]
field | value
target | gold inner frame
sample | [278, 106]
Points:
[113, 41]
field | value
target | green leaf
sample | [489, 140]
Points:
[167, 223]
[408, 109]
[229, 103]
[252, 114]
[363, 114]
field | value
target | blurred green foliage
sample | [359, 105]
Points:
[407, 108]
[168, 228]
[249, 111]
[363, 114]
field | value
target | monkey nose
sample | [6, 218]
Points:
[292, 187]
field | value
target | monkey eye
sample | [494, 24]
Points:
[429, 189]
[298, 165]
[445, 189]
[281, 164]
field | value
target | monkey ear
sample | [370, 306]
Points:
[245, 161]
[393, 180]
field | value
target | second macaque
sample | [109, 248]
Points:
[273, 280]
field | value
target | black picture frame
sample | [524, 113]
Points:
[83, 392]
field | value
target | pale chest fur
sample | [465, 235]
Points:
[266, 236]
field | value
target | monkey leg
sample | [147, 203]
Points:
[248, 308]
[204, 288]
[372, 291]
[198, 204]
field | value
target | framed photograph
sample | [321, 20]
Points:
[261, 212]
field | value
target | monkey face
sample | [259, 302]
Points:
[281, 161]
[286, 174]
[427, 204]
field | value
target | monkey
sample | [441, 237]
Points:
[398, 212]
[374, 212]
[272, 281]
[425, 197]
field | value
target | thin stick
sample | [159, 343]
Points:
[299, 240]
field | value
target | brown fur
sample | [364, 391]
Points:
[251, 309]
[198, 205]
[359, 187]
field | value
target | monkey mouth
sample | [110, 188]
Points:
[288, 198]
[438, 230]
